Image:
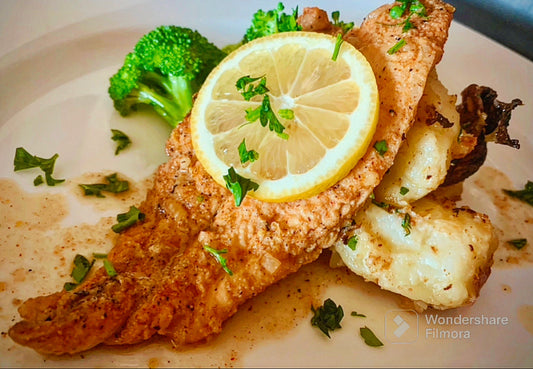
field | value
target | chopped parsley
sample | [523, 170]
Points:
[252, 114]
[113, 185]
[24, 160]
[413, 7]
[381, 147]
[286, 114]
[218, 256]
[69, 286]
[355, 313]
[352, 242]
[121, 139]
[82, 267]
[397, 11]
[327, 317]
[108, 266]
[250, 87]
[238, 185]
[416, 7]
[525, 195]
[338, 44]
[518, 243]
[369, 337]
[403, 190]
[380, 204]
[267, 116]
[344, 26]
[246, 155]
[406, 224]
[38, 180]
[126, 220]
[397, 46]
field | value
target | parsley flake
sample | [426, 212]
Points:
[252, 114]
[121, 139]
[406, 224]
[248, 88]
[369, 337]
[82, 267]
[518, 243]
[238, 185]
[114, 185]
[218, 256]
[414, 7]
[69, 286]
[246, 155]
[109, 268]
[352, 242]
[327, 317]
[38, 180]
[381, 204]
[286, 114]
[381, 147]
[525, 195]
[344, 26]
[126, 220]
[267, 116]
[24, 160]
[397, 11]
[397, 47]
[337, 49]
[403, 190]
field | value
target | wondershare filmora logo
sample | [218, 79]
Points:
[401, 326]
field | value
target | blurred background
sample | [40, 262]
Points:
[510, 22]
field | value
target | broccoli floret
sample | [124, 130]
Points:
[165, 69]
[272, 21]
[267, 23]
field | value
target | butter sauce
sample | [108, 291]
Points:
[38, 249]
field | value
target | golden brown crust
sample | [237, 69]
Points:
[78, 321]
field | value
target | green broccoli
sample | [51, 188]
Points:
[164, 71]
[272, 21]
[268, 23]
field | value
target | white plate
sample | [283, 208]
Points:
[54, 70]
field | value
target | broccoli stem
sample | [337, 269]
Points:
[171, 96]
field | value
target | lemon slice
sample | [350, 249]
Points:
[328, 110]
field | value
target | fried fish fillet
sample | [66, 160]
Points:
[168, 284]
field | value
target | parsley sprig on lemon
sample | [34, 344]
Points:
[329, 110]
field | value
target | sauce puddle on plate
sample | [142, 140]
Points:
[38, 249]
[512, 218]
[37, 260]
